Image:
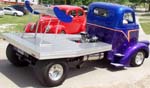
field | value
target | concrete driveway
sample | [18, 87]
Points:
[91, 75]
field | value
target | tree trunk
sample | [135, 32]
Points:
[68, 2]
[16, 1]
[40, 1]
[149, 6]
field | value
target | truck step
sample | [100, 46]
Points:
[117, 64]
[119, 54]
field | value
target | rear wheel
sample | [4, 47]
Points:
[12, 56]
[51, 73]
[138, 59]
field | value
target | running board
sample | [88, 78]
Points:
[119, 55]
[117, 64]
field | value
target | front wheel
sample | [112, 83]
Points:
[138, 59]
[15, 14]
[51, 73]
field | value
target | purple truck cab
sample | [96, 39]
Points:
[116, 24]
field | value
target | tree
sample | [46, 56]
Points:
[16, 1]
[40, 1]
[148, 1]
[68, 2]
[141, 1]
[123, 1]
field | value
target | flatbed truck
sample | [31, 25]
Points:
[112, 33]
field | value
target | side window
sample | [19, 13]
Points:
[7, 8]
[128, 18]
[72, 13]
[80, 13]
[101, 12]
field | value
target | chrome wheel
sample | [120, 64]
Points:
[56, 72]
[139, 58]
[51, 72]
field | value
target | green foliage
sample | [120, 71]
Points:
[73, 2]
[83, 2]
[134, 1]
[86, 2]
[123, 1]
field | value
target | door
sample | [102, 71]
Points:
[74, 26]
[81, 20]
[7, 11]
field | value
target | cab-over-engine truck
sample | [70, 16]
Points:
[112, 33]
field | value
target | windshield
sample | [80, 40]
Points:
[9, 7]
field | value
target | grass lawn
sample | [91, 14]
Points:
[145, 19]
[10, 23]
[17, 24]
[146, 14]
[145, 23]
[146, 27]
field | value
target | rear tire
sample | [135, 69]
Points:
[51, 73]
[138, 59]
[11, 54]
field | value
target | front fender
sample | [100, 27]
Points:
[132, 50]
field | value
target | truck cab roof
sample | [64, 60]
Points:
[112, 6]
[68, 7]
[109, 14]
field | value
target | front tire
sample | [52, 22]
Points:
[138, 59]
[51, 73]
[15, 14]
[12, 56]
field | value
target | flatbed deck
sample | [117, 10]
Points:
[54, 46]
